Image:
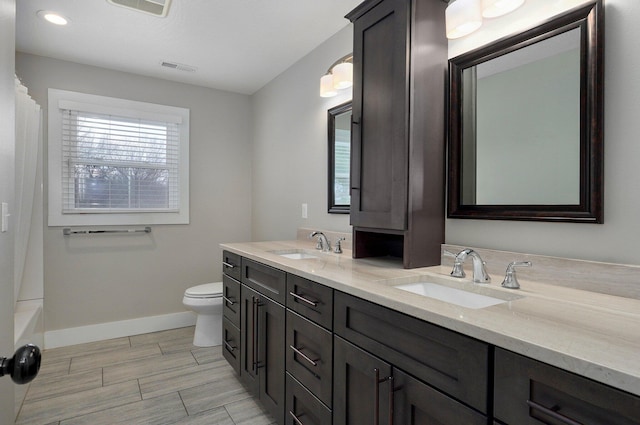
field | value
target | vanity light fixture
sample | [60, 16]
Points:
[338, 77]
[465, 16]
[53, 17]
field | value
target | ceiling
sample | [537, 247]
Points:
[235, 45]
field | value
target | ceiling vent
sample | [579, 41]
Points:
[178, 66]
[158, 8]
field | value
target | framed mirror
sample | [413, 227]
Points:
[339, 124]
[526, 124]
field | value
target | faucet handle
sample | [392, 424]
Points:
[338, 246]
[510, 280]
[448, 253]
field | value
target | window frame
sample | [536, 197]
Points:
[121, 107]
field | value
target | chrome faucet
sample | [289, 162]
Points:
[480, 274]
[323, 243]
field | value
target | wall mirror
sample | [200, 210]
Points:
[526, 124]
[339, 124]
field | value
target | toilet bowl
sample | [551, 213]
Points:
[206, 301]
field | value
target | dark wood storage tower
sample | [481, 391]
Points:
[398, 130]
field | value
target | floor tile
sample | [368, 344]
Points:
[217, 416]
[66, 384]
[162, 336]
[177, 380]
[248, 412]
[146, 367]
[45, 411]
[157, 411]
[223, 390]
[88, 348]
[178, 345]
[111, 357]
[204, 355]
[51, 367]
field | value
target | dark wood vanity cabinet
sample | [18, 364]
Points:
[527, 391]
[262, 335]
[385, 361]
[398, 140]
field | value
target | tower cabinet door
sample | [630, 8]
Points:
[362, 389]
[379, 156]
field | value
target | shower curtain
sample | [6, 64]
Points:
[28, 138]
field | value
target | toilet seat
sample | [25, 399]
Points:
[207, 290]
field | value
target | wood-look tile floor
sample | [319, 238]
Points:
[151, 379]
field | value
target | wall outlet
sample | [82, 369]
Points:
[304, 211]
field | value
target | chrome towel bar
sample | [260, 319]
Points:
[67, 231]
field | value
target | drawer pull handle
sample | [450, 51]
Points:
[303, 299]
[304, 356]
[228, 300]
[552, 413]
[295, 418]
[228, 265]
[229, 346]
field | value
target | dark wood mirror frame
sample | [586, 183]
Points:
[331, 124]
[590, 19]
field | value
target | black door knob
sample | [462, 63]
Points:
[23, 366]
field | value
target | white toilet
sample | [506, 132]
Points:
[206, 301]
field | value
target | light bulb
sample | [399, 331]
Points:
[495, 8]
[326, 86]
[342, 75]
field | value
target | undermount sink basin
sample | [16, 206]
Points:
[295, 254]
[460, 297]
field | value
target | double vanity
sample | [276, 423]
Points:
[322, 338]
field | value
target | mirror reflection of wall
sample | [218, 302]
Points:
[339, 124]
[526, 140]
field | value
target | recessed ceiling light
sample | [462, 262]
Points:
[53, 17]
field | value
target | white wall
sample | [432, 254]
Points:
[290, 146]
[106, 278]
[616, 240]
[7, 153]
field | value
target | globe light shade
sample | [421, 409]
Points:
[342, 75]
[463, 17]
[326, 86]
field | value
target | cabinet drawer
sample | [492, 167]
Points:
[266, 280]
[231, 302]
[231, 264]
[310, 299]
[309, 355]
[304, 407]
[453, 363]
[231, 344]
[527, 391]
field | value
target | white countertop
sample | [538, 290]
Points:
[591, 334]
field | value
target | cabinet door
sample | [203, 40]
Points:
[363, 393]
[303, 407]
[527, 392]
[379, 150]
[271, 357]
[248, 338]
[418, 404]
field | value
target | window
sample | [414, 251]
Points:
[115, 161]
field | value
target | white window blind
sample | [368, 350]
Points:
[116, 161]
[113, 163]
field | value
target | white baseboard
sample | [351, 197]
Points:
[102, 331]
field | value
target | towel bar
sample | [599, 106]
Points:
[67, 231]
